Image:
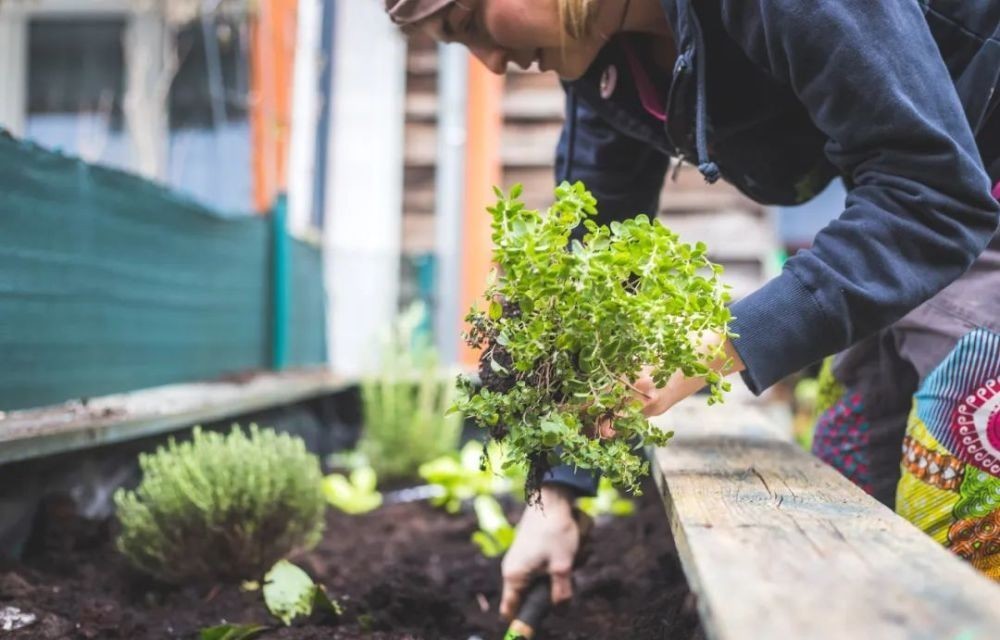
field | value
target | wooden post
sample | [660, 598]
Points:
[271, 56]
[484, 121]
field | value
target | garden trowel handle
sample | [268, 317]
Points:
[535, 605]
[537, 601]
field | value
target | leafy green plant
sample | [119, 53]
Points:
[469, 473]
[232, 632]
[495, 533]
[289, 593]
[221, 506]
[568, 326]
[355, 494]
[608, 501]
[405, 405]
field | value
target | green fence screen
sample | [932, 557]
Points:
[110, 283]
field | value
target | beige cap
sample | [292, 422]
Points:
[404, 12]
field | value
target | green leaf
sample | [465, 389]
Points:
[288, 592]
[497, 367]
[607, 502]
[324, 604]
[515, 191]
[496, 310]
[231, 632]
[364, 479]
[488, 546]
[355, 495]
[489, 514]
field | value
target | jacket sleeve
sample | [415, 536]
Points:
[625, 175]
[919, 210]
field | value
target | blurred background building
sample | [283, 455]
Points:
[314, 125]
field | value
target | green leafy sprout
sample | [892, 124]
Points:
[495, 533]
[471, 472]
[353, 494]
[232, 632]
[406, 402]
[290, 593]
[568, 326]
[607, 502]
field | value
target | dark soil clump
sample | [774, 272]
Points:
[406, 571]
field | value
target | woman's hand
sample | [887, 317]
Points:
[546, 541]
[657, 400]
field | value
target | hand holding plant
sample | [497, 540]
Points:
[566, 333]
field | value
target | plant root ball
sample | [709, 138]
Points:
[492, 378]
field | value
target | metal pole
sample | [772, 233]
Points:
[484, 122]
[449, 196]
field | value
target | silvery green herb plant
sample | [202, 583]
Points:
[568, 325]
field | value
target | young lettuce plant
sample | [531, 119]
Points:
[473, 471]
[607, 502]
[568, 326]
[353, 494]
[495, 533]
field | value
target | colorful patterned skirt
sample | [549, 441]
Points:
[928, 387]
[950, 484]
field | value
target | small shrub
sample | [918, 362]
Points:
[405, 405]
[222, 506]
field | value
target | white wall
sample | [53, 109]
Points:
[13, 68]
[365, 178]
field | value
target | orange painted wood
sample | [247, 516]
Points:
[272, 55]
[484, 122]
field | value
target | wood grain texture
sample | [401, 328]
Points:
[778, 545]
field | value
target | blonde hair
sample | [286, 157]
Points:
[577, 17]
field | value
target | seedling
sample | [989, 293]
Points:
[470, 473]
[355, 494]
[289, 592]
[567, 327]
[406, 403]
[232, 632]
[607, 502]
[495, 534]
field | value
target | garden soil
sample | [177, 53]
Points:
[406, 571]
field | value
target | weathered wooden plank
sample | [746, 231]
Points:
[32, 433]
[776, 544]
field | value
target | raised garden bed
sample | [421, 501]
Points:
[403, 571]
